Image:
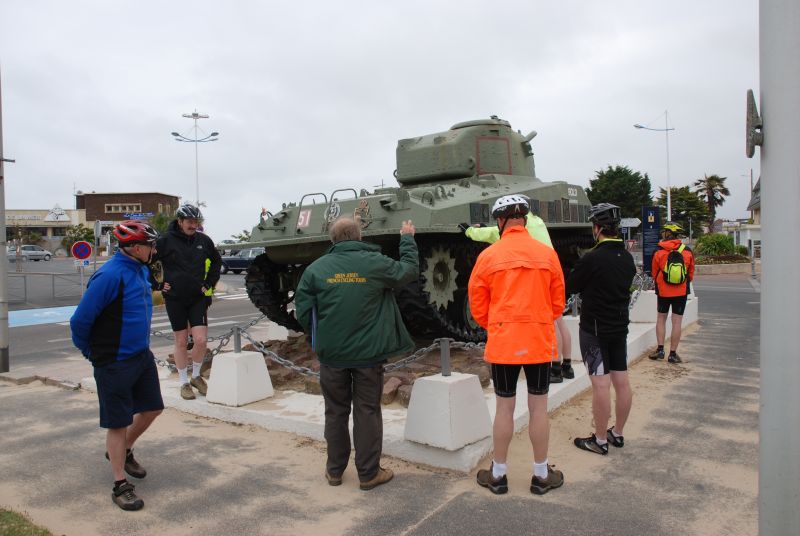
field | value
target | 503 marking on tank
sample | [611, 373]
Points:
[444, 179]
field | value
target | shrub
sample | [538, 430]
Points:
[715, 244]
[742, 250]
[722, 259]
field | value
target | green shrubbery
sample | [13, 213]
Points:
[742, 250]
[715, 244]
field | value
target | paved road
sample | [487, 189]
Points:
[689, 465]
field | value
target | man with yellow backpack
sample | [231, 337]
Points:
[673, 271]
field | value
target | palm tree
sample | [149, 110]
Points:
[712, 190]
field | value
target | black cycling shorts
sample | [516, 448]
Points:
[603, 356]
[182, 315]
[127, 387]
[504, 378]
[678, 304]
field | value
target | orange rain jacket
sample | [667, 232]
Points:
[516, 292]
[664, 289]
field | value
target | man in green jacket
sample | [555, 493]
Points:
[345, 301]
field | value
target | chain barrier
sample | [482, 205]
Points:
[305, 371]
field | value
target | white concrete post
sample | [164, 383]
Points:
[779, 419]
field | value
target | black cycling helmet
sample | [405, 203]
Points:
[188, 212]
[605, 215]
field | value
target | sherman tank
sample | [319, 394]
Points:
[444, 180]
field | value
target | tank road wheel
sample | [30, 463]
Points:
[263, 283]
[439, 278]
[437, 305]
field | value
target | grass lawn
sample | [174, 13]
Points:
[14, 524]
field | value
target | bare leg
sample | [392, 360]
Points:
[675, 334]
[624, 399]
[661, 328]
[503, 427]
[564, 339]
[601, 404]
[538, 426]
[200, 338]
[141, 422]
[115, 446]
[181, 355]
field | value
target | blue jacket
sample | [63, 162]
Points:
[112, 321]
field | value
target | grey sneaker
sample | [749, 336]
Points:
[132, 467]
[125, 497]
[658, 354]
[200, 384]
[186, 392]
[674, 358]
[555, 479]
[617, 441]
[383, 476]
[486, 479]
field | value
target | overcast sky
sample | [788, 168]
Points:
[313, 96]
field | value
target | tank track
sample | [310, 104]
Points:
[264, 290]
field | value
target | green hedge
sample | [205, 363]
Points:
[715, 244]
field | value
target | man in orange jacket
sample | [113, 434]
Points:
[671, 294]
[516, 292]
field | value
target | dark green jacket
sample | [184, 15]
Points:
[358, 321]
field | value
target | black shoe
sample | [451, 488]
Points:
[617, 441]
[125, 497]
[566, 370]
[132, 467]
[658, 354]
[486, 480]
[555, 373]
[591, 444]
[673, 358]
[555, 479]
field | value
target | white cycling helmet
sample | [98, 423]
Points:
[508, 205]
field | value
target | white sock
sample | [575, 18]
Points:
[498, 470]
[540, 469]
[182, 378]
[196, 369]
[600, 441]
[614, 433]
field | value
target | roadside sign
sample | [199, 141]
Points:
[81, 250]
[83, 262]
[630, 223]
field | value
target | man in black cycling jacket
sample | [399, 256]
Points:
[603, 277]
[191, 265]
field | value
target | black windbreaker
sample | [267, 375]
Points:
[603, 277]
[183, 258]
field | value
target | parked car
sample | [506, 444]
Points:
[29, 253]
[240, 260]
[224, 247]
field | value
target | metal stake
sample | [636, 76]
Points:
[444, 349]
[237, 340]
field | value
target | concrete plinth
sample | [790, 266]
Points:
[239, 378]
[448, 412]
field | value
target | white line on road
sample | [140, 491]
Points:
[61, 340]
[165, 324]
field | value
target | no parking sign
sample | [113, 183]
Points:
[81, 250]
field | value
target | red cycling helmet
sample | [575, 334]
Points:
[132, 232]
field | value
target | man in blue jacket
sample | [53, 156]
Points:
[111, 327]
[345, 300]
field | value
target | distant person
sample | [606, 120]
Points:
[345, 301]
[191, 266]
[516, 292]
[536, 228]
[673, 271]
[111, 327]
[603, 277]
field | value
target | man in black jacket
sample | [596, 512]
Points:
[603, 277]
[191, 267]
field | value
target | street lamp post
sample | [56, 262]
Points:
[665, 130]
[196, 139]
